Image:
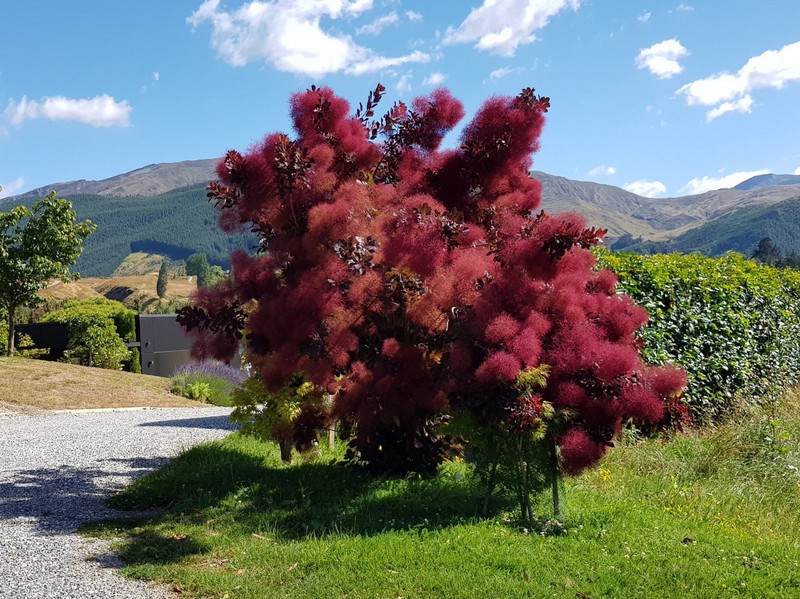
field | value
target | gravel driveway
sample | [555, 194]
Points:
[56, 471]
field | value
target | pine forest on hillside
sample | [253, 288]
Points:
[175, 224]
[738, 231]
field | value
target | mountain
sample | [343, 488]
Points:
[162, 208]
[624, 213]
[174, 224]
[146, 181]
[739, 231]
[768, 180]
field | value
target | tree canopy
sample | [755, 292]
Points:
[196, 263]
[37, 244]
[162, 281]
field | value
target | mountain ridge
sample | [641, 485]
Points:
[768, 180]
[625, 215]
[152, 179]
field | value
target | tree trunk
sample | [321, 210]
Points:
[10, 340]
[286, 451]
[489, 489]
[554, 477]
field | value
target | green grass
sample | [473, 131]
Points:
[698, 516]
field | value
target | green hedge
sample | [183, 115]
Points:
[124, 319]
[731, 323]
[98, 329]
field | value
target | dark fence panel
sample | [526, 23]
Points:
[163, 342]
[45, 335]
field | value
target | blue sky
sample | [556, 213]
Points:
[664, 98]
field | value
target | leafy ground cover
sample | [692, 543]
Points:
[59, 386]
[701, 515]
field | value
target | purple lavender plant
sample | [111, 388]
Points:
[235, 376]
[220, 378]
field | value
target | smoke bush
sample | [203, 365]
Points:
[413, 283]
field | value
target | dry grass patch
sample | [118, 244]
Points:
[125, 289]
[46, 385]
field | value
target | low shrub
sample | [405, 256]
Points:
[292, 416]
[3, 334]
[93, 341]
[25, 348]
[134, 362]
[212, 382]
[98, 329]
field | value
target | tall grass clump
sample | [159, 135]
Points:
[211, 382]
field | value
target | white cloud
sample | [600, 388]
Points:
[413, 16]
[661, 59]
[404, 83]
[741, 105]
[797, 171]
[648, 189]
[703, 184]
[376, 26]
[288, 35]
[377, 63]
[684, 8]
[156, 76]
[100, 111]
[601, 171]
[500, 26]
[9, 189]
[731, 93]
[500, 73]
[644, 17]
[434, 79]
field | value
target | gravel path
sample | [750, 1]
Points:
[57, 469]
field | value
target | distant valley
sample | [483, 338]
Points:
[162, 209]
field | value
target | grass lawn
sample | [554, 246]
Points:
[57, 386]
[710, 515]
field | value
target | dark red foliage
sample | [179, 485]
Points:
[579, 450]
[526, 415]
[309, 422]
[407, 280]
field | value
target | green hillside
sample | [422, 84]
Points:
[738, 231]
[175, 224]
[181, 222]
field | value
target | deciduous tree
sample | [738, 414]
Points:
[767, 252]
[196, 263]
[37, 244]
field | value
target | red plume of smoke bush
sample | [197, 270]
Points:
[408, 280]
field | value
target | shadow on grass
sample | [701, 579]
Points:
[227, 485]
